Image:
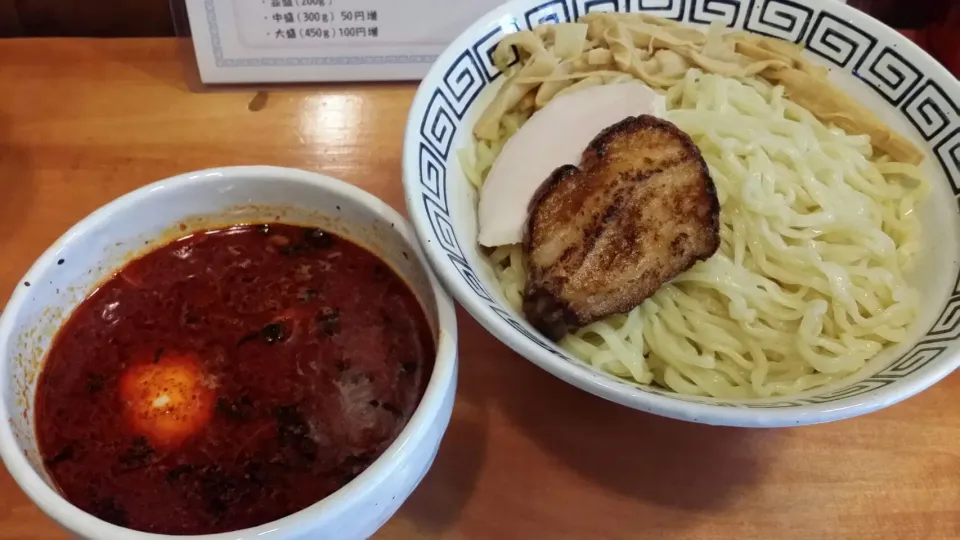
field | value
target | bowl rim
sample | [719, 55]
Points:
[442, 379]
[582, 376]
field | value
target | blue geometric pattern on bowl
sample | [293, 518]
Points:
[889, 72]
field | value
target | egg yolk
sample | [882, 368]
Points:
[165, 399]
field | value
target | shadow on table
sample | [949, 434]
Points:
[438, 501]
[666, 462]
[662, 461]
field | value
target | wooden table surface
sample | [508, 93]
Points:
[526, 456]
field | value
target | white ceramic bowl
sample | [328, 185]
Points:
[153, 215]
[875, 64]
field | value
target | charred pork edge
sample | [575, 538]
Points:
[542, 295]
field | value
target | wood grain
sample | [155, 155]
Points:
[526, 456]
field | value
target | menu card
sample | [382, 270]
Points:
[249, 41]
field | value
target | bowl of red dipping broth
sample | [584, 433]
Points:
[249, 352]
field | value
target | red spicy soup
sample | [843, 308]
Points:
[229, 379]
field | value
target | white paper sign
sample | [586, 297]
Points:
[324, 40]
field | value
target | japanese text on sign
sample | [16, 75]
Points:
[319, 19]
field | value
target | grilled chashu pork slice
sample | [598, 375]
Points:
[602, 238]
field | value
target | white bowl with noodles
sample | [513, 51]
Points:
[893, 252]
